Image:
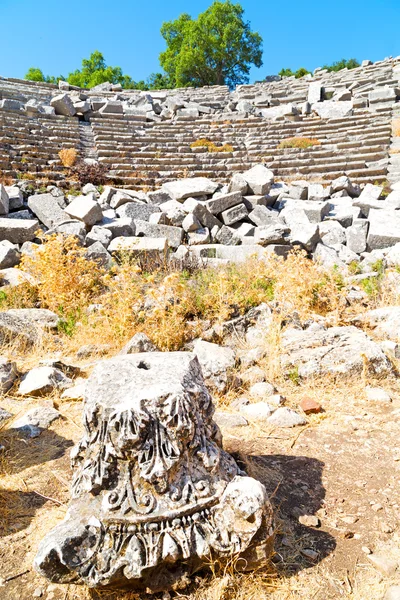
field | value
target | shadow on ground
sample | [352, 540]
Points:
[18, 505]
[294, 484]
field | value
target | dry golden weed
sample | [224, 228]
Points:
[299, 142]
[68, 157]
[211, 146]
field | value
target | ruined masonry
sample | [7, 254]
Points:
[145, 138]
[155, 497]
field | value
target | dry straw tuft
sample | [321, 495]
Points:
[299, 142]
[68, 157]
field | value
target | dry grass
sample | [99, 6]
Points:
[167, 302]
[172, 305]
[68, 157]
[5, 179]
[211, 146]
[299, 142]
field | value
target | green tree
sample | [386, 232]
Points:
[95, 71]
[216, 48]
[351, 63]
[35, 74]
[289, 73]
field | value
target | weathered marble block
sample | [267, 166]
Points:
[154, 495]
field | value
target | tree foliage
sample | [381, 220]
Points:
[216, 48]
[289, 73]
[95, 71]
[351, 63]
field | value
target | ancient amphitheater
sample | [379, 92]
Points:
[145, 138]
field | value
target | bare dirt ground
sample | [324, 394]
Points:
[343, 467]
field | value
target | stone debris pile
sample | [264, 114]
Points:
[339, 224]
[154, 495]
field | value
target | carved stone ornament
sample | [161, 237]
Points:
[154, 495]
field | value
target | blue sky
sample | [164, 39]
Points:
[56, 35]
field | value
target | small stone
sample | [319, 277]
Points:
[37, 593]
[366, 550]
[309, 406]
[377, 394]
[140, 342]
[309, 520]
[309, 553]
[386, 566]
[36, 420]
[42, 380]
[257, 411]
[227, 420]
[262, 390]
[376, 507]
[93, 350]
[350, 519]
[286, 417]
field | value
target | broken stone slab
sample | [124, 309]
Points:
[99, 234]
[314, 92]
[14, 277]
[302, 232]
[27, 325]
[174, 235]
[259, 179]
[340, 351]
[18, 231]
[41, 381]
[36, 420]
[10, 256]
[234, 214]
[63, 105]
[222, 202]
[174, 212]
[205, 217]
[189, 187]
[343, 183]
[275, 233]
[98, 253]
[166, 497]
[140, 342]
[140, 246]
[333, 110]
[46, 208]
[137, 210]
[215, 361]
[238, 184]
[199, 237]
[86, 210]
[263, 216]
[356, 235]
[118, 227]
[331, 232]
[15, 197]
[384, 229]
[4, 200]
